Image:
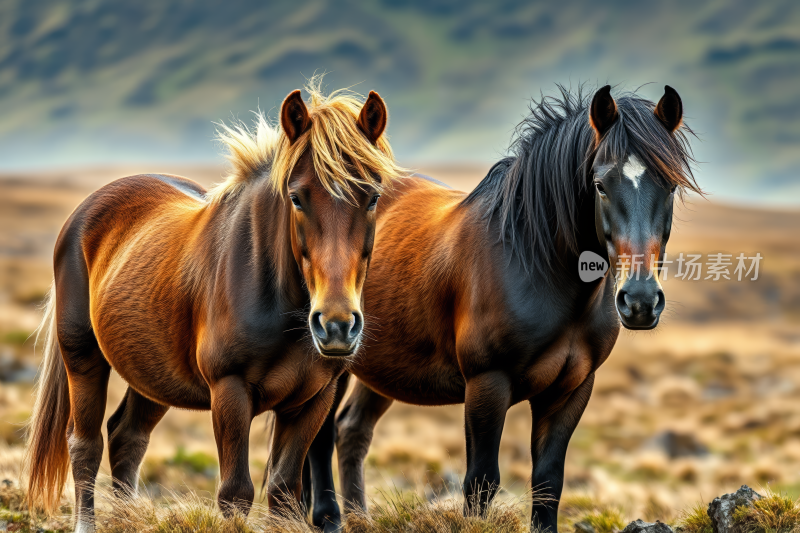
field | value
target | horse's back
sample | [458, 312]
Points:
[184, 185]
[422, 190]
[139, 192]
[124, 206]
[431, 180]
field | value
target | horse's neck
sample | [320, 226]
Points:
[587, 241]
[564, 275]
[257, 245]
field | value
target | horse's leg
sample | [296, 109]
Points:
[488, 397]
[552, 429]
[231, 415]
[355, 425]
[326, 514]
[129, 431]
[88, 373]
[294, 431]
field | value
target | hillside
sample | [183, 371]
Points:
[102, 82]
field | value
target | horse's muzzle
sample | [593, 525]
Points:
[337, 336]
[640, 304]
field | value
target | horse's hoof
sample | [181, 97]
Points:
[332, 526]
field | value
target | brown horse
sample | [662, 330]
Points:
[204, 300]
[478, 296]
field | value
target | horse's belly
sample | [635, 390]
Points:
[142, 346]
[167, 388]
[152, 377]
[410, 378]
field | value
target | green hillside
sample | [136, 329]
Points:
[91, 81]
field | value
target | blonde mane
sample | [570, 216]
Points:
[333, 136]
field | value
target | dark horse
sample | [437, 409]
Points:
[478, 296]
[204, 300]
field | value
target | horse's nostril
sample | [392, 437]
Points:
[358, 324]
[622, 304]
[631, 303]
[661, 302]
[316, 326]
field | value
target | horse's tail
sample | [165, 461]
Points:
[47, 456]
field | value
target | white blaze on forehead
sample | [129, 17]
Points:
[633, 170]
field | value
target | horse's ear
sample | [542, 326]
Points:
[670, 109]
[603, 112]
[373, 117]
[294, 116]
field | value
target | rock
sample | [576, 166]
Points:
[452, 482]
[584, 527]
[675, 444]
[721, 509]
[640, 526]
[444, 486]
[14, 370]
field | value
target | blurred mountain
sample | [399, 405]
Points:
[87, 82]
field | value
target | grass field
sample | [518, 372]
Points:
[707, 402]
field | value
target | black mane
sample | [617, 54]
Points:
[536, 191]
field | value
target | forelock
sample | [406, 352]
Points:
[342, 155]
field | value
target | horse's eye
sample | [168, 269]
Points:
[600, 188]
[296, 201]
[373, 202]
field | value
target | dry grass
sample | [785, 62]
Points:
[605, 521]
[696, 519]
[774, 513]
[187, 513]
[191, 513]
[176, 513]
[582, 508]
[401, 513]
[16, 516]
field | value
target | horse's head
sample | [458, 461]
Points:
[636, 172]
[332, 192]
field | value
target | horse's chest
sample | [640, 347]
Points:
[284, 370]
[563, 363]
[294, 380]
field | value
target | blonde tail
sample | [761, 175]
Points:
[47, 456]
